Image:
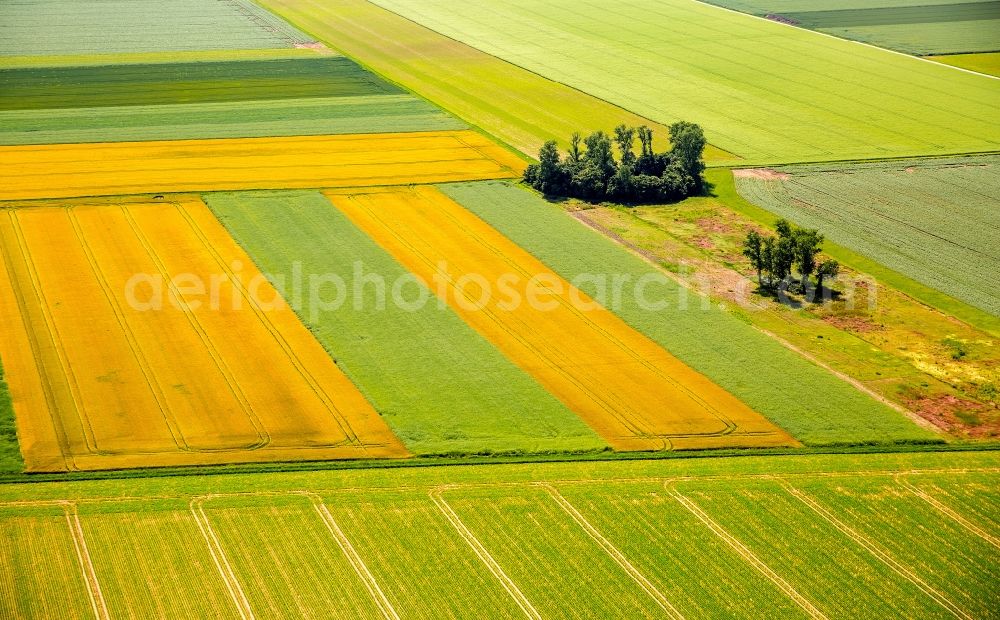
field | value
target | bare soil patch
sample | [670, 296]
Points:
[767, 174]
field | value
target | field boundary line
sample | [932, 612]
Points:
[948, 510]
[219, 557]
[875, 550]
[824, 34]
[94, 592]
[371, 584]
[746, 554]
[494, 567]
[658, 480]
[612, 551]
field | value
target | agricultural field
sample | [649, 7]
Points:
[794, 536]
[935, 221]
[911, 26]
[69, 282]
[565, 340]
[56, 27]
[763, 91]
[871, 332]
[521, 108]
[988, 64]
[104, 169]
[717, 343]
[206, 99]
[439, 385]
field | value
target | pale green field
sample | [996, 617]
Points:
[61, 27]
[762, 90]
[936, 221]
[743, 537]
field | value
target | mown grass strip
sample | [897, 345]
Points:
[813, 405]
[441, 387]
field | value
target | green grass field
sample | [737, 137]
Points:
[761, 90]
[56, 27]
[519, 107]
[741, 537]
[813, 405]
[912, 26]
[936, 221]
[206, 99]
[982, 63]
[441, 387]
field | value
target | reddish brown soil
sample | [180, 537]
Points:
[943, 411]
[856, 324]
[714, 225]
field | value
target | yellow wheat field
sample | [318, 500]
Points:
[109, 371]
[105, 169]
[625, 386]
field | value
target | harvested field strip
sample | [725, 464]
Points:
[781, 531]
[185, 83]
[61, 171]
[414, 366]
[127, 401]
[751, 366]
[632, 392]
[47, 27]
[247, 119]
[40, 573]
[517, 106]
[130, 543]
[761, 90]
[289, 563]
[936, 221]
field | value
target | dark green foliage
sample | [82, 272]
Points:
[594, 174]
[773, 258]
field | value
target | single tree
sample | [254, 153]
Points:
[753, 249]
[574, 148]
[826, 270]
[767, 252]
[599, 155]
[688, 142]
[807, 246]
[625, 137]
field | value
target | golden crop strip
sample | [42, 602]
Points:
[105, 169]
[626, 387]
[104, 378]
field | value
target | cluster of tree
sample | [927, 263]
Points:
[593, 173]
[774, 258]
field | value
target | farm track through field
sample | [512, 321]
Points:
[86, 564]
[651, 402]
[949, 511]
[788, 483]
[879, 553]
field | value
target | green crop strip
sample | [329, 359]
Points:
[441, 387]
[813, 405]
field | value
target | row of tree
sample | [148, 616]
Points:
[593, 173]
[774, 258]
